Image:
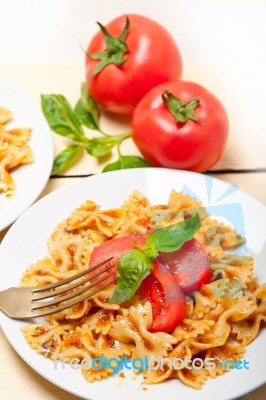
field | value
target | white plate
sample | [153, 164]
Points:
[26, 242]
[29, 179]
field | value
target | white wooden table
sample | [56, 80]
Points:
[222, 44]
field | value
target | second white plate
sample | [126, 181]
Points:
[29, 179]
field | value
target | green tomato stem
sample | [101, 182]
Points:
[116, 47]
[181, 111]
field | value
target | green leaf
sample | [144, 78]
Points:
[61, 118]
[86, 110]
[64, 159]
[99, 148]
[133, 267]
[173, 236]
[125, 162]
[115, 49]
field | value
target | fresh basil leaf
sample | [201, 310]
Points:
[61, 118]
[159, 217]
[125, 162]
[64, 159]
[173, 236]
[86, 110]
[84, 117]
[99, 147]
[133, 267]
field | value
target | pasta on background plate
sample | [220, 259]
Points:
[222, 317]
[14, 150]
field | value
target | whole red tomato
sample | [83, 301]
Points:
[127, 58]
[180, 125]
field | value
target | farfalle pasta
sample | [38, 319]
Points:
[222, 317]
[14, 150]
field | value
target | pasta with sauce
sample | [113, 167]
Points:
[222, 317]
[14, 150]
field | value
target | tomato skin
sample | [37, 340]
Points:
[152, 58]
[192, 145]
[160, 287]
[167, 299]
[114, 247]
[190, 265]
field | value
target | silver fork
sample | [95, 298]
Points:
[19, 303]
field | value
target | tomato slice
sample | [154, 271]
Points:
[190, 265]
[167, 299]
[160, 287]
[114, 247]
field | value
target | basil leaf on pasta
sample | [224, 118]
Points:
[133, 267]
[172, 237]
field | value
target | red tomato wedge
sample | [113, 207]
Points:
[190, 265]
[167, 299]
[160, 287]
[114, 247]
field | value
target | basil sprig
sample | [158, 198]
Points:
[69, 122]
[135, 265]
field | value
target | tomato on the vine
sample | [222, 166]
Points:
[180, 125]
[127, 58]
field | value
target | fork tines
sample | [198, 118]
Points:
[75, 296]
